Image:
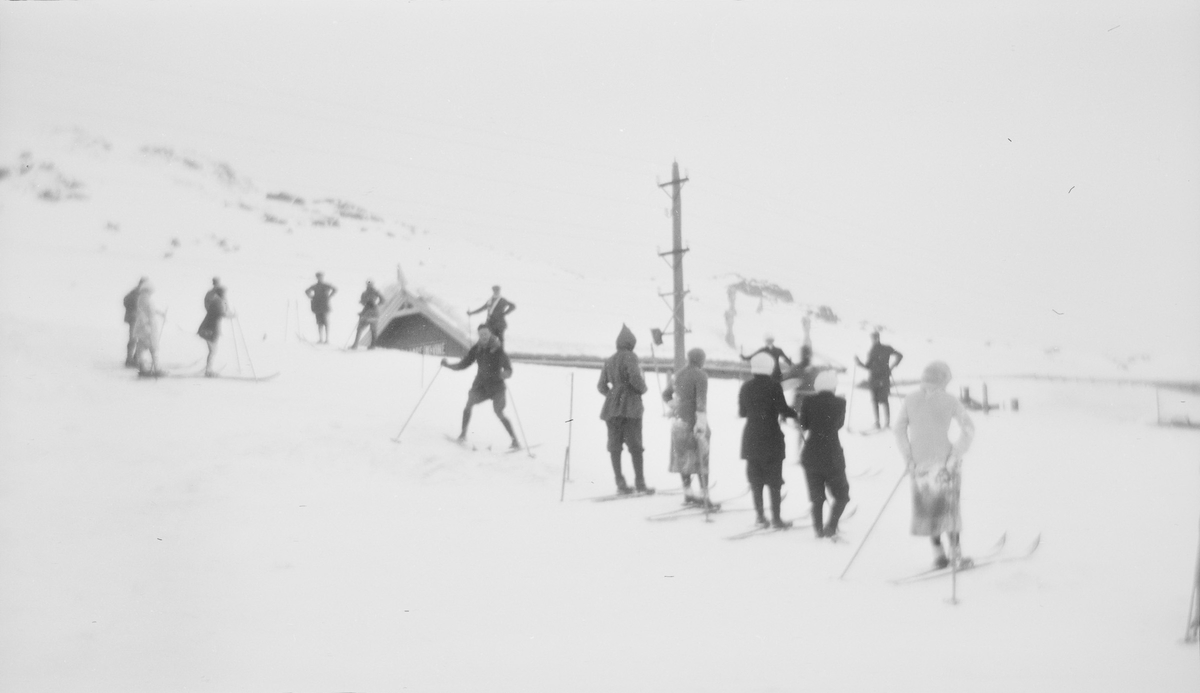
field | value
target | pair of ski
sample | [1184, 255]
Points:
[798, 523]
[176, 375]
[507, 451]
[994, 555]
[692, 509]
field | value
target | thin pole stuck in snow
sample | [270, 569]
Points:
[237, 355]
[245, 346]
[566, 475]
[418, 404]
[863, 543]
[520, 427]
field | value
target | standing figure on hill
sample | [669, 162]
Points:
[497, 307]
[879, 366]
[776, 355]
[368, 318]
[320, 293]
[822, 416]
[130, 302]
[147, 328]
[494, 368]
[690, 435]
[761, 403]
[622, 384]
[922, 435]
[215, 310]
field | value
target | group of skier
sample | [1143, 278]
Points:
[922, 434]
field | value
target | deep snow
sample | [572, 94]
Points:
[194, 535]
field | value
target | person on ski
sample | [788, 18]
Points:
[320, 293]
[821, 417]
[494, 368]
[775, 353]
[147, 327]
[922, 436]
[215, 310]
[690, 435]
[880, 366]
[622, 384]
[130, 302]
[368, 318]
[761, 403]
[497, 308]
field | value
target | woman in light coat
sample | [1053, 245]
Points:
[922, 435]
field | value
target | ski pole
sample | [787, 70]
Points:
[520, 427]
[237, 355]
[863, 543]
[562, 493]
[418, 404]
[245, 346]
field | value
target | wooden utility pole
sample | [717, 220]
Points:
[677, 252]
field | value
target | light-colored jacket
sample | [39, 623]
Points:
[923, 426]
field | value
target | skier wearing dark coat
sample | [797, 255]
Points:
[494, 368]
[320, 293]
[622, 384]
[761, 403]
[130, 303]
[880, 365]
[215, 309]
[369, 316]
[822, 416]
[497, 307]
[775, 353]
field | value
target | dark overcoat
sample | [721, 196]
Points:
[822, 415]
[761, 403]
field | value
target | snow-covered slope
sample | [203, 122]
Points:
[181, 218]
[190, 534]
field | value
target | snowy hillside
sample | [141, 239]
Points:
[182, 217]
[221, 535]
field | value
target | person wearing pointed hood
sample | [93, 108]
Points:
[821, 417]
[761, 403]
[494, 368]
[622, 384]
[690, 435]
[147, 327]
[922, 436]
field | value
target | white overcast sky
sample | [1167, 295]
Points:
[1019, 171]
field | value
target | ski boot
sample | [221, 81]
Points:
[515, 446]
[780, 523]
[622, 487]
[761, 521]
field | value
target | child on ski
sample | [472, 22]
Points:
[494, 368]
[761, 403]
[935, 463]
